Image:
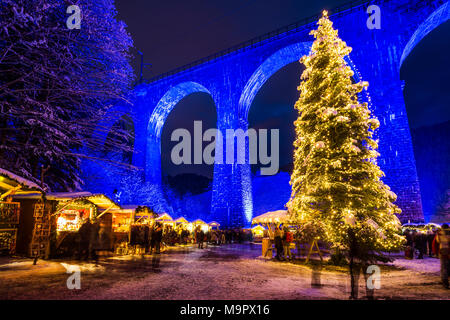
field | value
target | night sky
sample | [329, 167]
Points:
[174, 33]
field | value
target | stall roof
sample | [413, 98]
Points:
[124, 209]
[260, 227]
[62, 196]
[164, 217]
[214, 224]
[10, 181]
[199, 221]
[181, 219]
[100, 200]
[279, 216]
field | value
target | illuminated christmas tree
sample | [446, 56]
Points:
[336, 182]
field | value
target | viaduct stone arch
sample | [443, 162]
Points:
[156, 122]
[233, 78]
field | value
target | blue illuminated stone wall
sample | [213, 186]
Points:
[233, 81]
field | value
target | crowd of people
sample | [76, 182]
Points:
[419, 243]
[91, 238]
[152, 238]
[219, 237]
[434, 242]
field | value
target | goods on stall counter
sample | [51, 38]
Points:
[9, 225]
[8, 240]
[71, 220]
[9, 212]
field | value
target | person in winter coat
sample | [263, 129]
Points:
[152, 236]
[94, 244]
[84, 237]
[222, 238]
[278, 235]
[409, 249]
[430, 237]
[420, 243]
[200, 239]
[158, 233]
[214, 237]
[442, 248]
[287, 240]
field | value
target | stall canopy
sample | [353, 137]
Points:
[164, 217]
[102, 202]
[214, 224]
[13, 184]
[198, 222]
[181, 220]
[279, 216]
[258, 228]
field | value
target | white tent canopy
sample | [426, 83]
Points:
[279, 216]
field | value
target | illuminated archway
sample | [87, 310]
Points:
[426, 109]
[157, 119]
[269, 67]
[441, 15]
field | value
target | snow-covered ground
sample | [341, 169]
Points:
[227, 272]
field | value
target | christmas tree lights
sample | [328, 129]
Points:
[336, 182]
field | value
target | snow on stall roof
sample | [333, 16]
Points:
[67, 195]
[164, 217]
[100, 200]
[279, 216]
[19, 180]
[181, 219]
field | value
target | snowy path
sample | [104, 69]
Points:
[228, 272]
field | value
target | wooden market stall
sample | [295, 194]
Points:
[143, 216]
[122, 220]
[181, 223]
[270, 220]
[214, 225]
[273, 219]
[76, 208]
[258, 232]
[165, 219]
[202, 224]
[16, 218]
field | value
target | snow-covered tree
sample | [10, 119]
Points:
[336, 182]
[56, 84]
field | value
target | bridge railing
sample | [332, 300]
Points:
[258, 41]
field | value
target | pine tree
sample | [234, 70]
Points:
[56, 85]
[336, 182]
